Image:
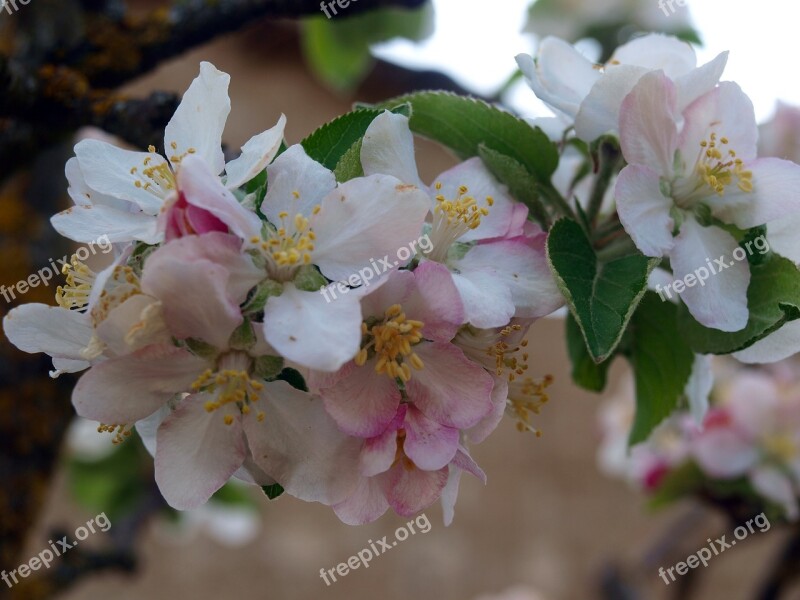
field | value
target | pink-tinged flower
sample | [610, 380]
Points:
[496, 257]
[408, 325]
[503, 351]
[687, 167]
[197, 284]
[754, 433]
[591, 97]
[406, 467]
[338, 228]
[91, 322]
[120, 193]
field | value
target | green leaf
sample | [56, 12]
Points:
[602, 295]
[293, 378]
[465, 124]
[114, 484]
[273, 491]
[522, 185]
[349, 166]
[773, 299]
[234, 495]
[662, 364]
[268, 367]
[328, 144]
[585, 372]
[338, 49]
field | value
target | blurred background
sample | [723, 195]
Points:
[549, 524]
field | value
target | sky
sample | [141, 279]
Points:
[478, 50]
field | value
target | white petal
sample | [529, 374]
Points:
[599, 112]
[364, 220]
[481, 185]
[305, 328]
[720, 301]
[82, 194]
[199, 121]
[698, 388]
[197, 452]
[388, 149]
[110, 171]
[297, 184]
[257, 153]
[782, 237]
[775, 347]
[56, 331]
[700, 81]
[777, 487]
[644, 211]
[561, 76]
[657, 51]
[86, 224]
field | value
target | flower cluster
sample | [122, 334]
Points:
[751, 434]
[212, 307]
[693, 181]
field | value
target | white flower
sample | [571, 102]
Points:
[120, 193]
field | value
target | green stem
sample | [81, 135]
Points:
[609, 158]
[555, 201]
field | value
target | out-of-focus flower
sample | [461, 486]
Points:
[752, 432]
[575, 19]
[590, 97]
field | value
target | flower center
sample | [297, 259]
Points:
[526, 398]
[288, 247]
[782, 447]
[454, 218]
[156, 178]
[120, 432]
[507, 357]
[718, 168]
[231, 384]
[392, 340]
[80, 280]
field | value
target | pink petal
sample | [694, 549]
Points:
[127, 389]
[362, 402]
[428, 444]
[410, 490]
[196, 452]
[299, 445]
[203, 189]
[451, 389]
[366, 504]
[436, 302]
[648, 124]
